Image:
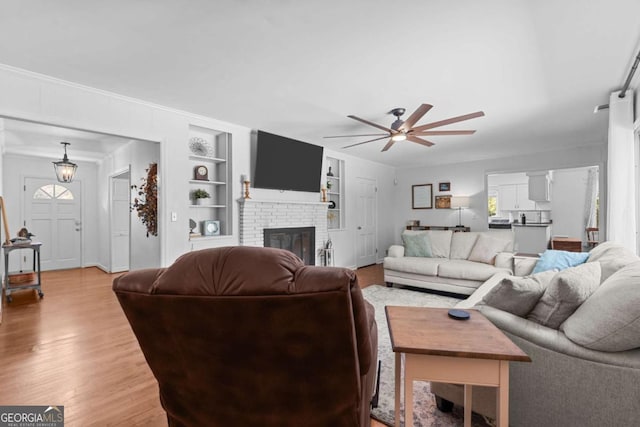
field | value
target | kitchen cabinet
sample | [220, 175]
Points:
[514, 197]
[533, 239]
[539, 190]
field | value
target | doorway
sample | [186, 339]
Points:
[367, 219]
[119, 220]
[52, 214]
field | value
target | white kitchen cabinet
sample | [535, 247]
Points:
[514, 197]
[539, 188]
[532, 239]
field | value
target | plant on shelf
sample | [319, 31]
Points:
[329, 185]
[199, 195]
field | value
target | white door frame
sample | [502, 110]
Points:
[113, 176]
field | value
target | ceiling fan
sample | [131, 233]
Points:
[401, 130]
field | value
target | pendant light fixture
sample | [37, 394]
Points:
[65, 170]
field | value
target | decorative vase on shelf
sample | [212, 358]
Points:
[329, 173]
[203, 201]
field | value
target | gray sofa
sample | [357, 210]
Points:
[451, 267]
[585, 373]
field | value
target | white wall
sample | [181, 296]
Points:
[31, 96]
[137, 155]
[470, 179]
[18, 167]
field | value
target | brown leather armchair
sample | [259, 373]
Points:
[246, 336]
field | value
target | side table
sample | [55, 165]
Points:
[439, 348]
[34, 284]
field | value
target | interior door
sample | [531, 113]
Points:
[366, 224]
[52, 213]
[120, 222]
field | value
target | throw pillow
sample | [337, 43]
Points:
[610, 319]
[518, 295]
[417, 245]
[486, 248]
[559, 260]
[612, 257]
[566, 292]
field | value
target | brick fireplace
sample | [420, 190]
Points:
[258, 215]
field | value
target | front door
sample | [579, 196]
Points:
[366, 222]
[52, 213]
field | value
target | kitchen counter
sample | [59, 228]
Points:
[532, 238]
[532, 224]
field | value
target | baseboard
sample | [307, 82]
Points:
[100, 266]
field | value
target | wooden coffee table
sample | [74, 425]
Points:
[439, 348]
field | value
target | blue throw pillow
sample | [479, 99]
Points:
[417, 245]
[559, 260]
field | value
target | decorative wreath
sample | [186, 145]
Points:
[147, 203]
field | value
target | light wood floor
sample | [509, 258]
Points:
[75, 348]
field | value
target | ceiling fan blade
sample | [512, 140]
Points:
[449, 121]
[351, 136]
[375, 125]
[444, 132]
[419, 140]
[364, 142]
[389, 144]
[415, 117]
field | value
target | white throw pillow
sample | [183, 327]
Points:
[486, 249]
[519, 295]
[440, 242]
[566, 292]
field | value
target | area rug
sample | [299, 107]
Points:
[425, 412]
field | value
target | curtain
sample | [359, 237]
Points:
[621, 193]
[590, 208]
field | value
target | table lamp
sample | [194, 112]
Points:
[460, 202]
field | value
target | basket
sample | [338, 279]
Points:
[21, 278]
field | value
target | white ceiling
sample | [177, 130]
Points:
[298, 68]
[34, 139]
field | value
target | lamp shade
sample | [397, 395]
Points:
[65, 170]
[460, 202]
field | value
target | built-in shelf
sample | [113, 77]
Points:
[208, 159]
[208, 206]
[217, 161]
[199, 181]
[335, 194]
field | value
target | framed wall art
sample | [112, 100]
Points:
[422, 196]
[444, 186]
[443, 202]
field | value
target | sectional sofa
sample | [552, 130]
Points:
[442, 260]
[586, 370]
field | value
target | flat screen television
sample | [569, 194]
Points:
[286, 164]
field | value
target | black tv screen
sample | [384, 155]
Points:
[286, 164]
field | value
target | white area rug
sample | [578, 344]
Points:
[425, 411]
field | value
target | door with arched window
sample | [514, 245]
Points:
[52, 213]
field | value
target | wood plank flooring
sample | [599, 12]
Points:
[75, 348]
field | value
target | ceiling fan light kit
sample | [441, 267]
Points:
[402, 130]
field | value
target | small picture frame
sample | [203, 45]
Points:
[444, 186]
[443, 202]
[422, 196]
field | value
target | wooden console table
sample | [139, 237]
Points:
[33, 284]
[453, 228]
[438, 348]
[570, 244]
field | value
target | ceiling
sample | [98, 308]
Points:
[536, 68]
[35, 139]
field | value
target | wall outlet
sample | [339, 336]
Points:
[174, 216]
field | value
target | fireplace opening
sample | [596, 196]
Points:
[301, 241]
